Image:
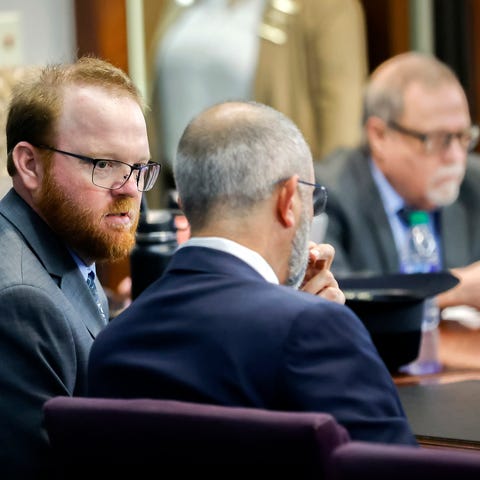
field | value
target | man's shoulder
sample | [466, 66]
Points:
[470, 189]
[19, 265]
[325, 319]
[309, 304]
[473, 167]
[12, 242]
[341, 163]
[346, 175]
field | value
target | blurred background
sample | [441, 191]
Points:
[42, 31]
[37, 32]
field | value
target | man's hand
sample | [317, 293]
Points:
[467, 291]
[319, 280]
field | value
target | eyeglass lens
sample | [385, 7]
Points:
[113, 174]
[319, 196]
[319, 200]
[439, 141]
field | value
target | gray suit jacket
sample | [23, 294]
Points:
[48, 320]
[358, 226]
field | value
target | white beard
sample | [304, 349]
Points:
[445, 184]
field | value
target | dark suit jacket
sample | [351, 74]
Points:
[212, 330]
[48, 320]
[358, 226]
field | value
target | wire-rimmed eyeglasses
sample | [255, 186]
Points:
[438, 142]
[113, 174]
[319, 197]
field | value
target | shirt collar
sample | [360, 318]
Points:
[252, 258]
[84, 269]
[391, 200]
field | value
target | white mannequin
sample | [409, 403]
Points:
[209, 55]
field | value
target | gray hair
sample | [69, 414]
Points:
[232, 156]
[384, 93]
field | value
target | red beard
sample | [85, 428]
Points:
[82, 228]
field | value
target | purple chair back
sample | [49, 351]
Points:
[375, 461]
[117, 436]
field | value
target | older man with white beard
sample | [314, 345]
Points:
[417, 136]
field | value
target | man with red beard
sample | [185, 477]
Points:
[79, 158]
[417, 136]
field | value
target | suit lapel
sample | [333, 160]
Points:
[78, 293]
[455, 244]
[55, 258]
[375, 218]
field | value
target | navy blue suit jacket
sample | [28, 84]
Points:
[212, 330]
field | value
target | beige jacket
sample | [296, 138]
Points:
[312, 66]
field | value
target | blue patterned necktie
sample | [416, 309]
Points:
[405, 214]
[93, 290]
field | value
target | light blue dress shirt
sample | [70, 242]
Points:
[392, 203]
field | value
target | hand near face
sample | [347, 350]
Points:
[318, 279]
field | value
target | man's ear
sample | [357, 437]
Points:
[376, 131]
[28, 164]
[287, 201]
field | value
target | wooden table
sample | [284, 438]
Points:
[459, 354]
[444, 408]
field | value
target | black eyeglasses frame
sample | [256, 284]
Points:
[95, 161]
[473, 130]
[320, 197]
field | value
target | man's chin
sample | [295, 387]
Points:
[109, 247]
[295, 280]
[443, 197]
[121, 250]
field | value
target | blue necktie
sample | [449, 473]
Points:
[93, 290]
[405, 216]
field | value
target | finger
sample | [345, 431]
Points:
[333, 294]
[321, 255]
[320, 281]
[328, 292]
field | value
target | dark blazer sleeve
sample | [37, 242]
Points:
[48, 320]
[345, 377]
[39, 361]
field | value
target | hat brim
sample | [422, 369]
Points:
[391, 308]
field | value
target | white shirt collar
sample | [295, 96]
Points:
[392, 201]
[254, 259]
[84, 269]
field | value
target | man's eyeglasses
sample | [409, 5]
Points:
[113, 174]
[319, 197]
[438, 142]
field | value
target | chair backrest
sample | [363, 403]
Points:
[141, 435]
[375, 461]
